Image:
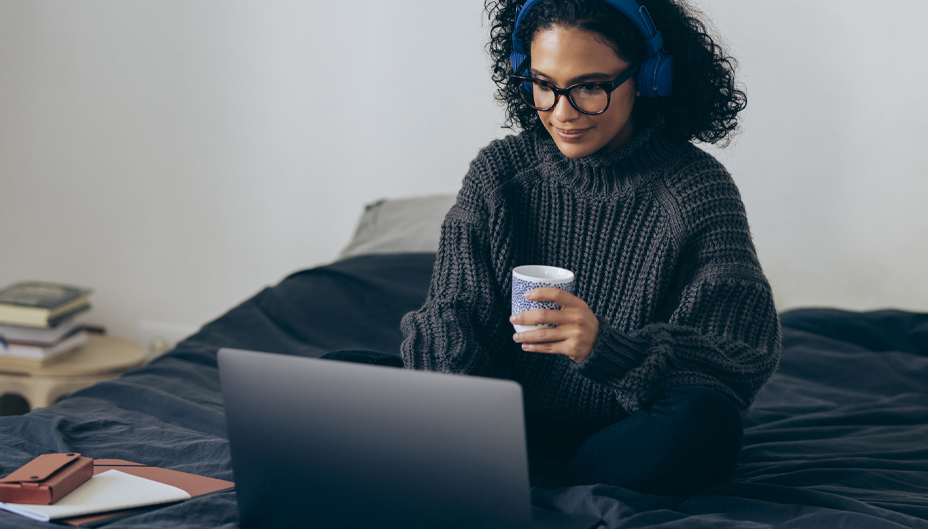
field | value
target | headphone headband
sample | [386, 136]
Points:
[655, 75]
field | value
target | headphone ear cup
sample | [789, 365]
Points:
[665, 75]
[655, 76]
[646, 77]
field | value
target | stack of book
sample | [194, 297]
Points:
[39, 322]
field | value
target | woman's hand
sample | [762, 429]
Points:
[576, 331]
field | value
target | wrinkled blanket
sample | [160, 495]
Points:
[837, 438]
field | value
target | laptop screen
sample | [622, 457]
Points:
[351, 445]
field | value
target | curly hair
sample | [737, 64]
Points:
[705, 102]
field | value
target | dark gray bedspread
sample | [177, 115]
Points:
[838, 438]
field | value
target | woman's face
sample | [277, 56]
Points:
[567, 56]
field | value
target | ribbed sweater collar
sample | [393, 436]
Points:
[614, 172]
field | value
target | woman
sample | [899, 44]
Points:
[672, 330]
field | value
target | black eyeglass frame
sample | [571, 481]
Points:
[608, 86]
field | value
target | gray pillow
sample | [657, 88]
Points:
[399, 226]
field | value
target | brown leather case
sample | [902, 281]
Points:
[191, 483]
[46, 479]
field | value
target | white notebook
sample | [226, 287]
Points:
[108, 491]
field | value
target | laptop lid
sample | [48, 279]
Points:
[340, 444]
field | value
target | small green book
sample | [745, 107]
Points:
[39, 304]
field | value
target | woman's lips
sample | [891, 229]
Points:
[571, 135]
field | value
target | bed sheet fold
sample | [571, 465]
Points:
[835, 439]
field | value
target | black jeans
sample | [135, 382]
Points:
[689, 439]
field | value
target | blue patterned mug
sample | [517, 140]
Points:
[529, 277]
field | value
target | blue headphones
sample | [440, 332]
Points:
[655, 75]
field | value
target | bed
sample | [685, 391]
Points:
[837, 438]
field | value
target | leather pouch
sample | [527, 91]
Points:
[46, 479]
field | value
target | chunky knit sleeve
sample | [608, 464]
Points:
[718, 327]
[462, 326]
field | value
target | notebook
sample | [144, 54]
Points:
[110, 491]
[339, 444]
[192, 484]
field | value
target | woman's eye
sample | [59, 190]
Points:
[544, 87]
[590, 91]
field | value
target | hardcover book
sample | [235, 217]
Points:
[42, 352]
[36, 304]
[38, 335]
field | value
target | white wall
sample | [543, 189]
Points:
[832, 163]
[179, 155]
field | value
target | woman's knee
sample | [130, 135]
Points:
[711, 426]
[689, 439]
[703, 411]
[704, 408]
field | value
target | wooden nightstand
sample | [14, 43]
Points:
[100, 358]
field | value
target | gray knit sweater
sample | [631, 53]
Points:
[657, 236]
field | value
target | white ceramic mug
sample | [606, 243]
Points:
[529, 277]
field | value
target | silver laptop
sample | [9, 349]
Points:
[339, 444]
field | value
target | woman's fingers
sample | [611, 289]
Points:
[571, 343]
[576, 325]
[561, 297]
[542, 335]
[540, 316]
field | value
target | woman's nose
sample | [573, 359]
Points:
[564, 111]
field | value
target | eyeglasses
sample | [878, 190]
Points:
[588, 98]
